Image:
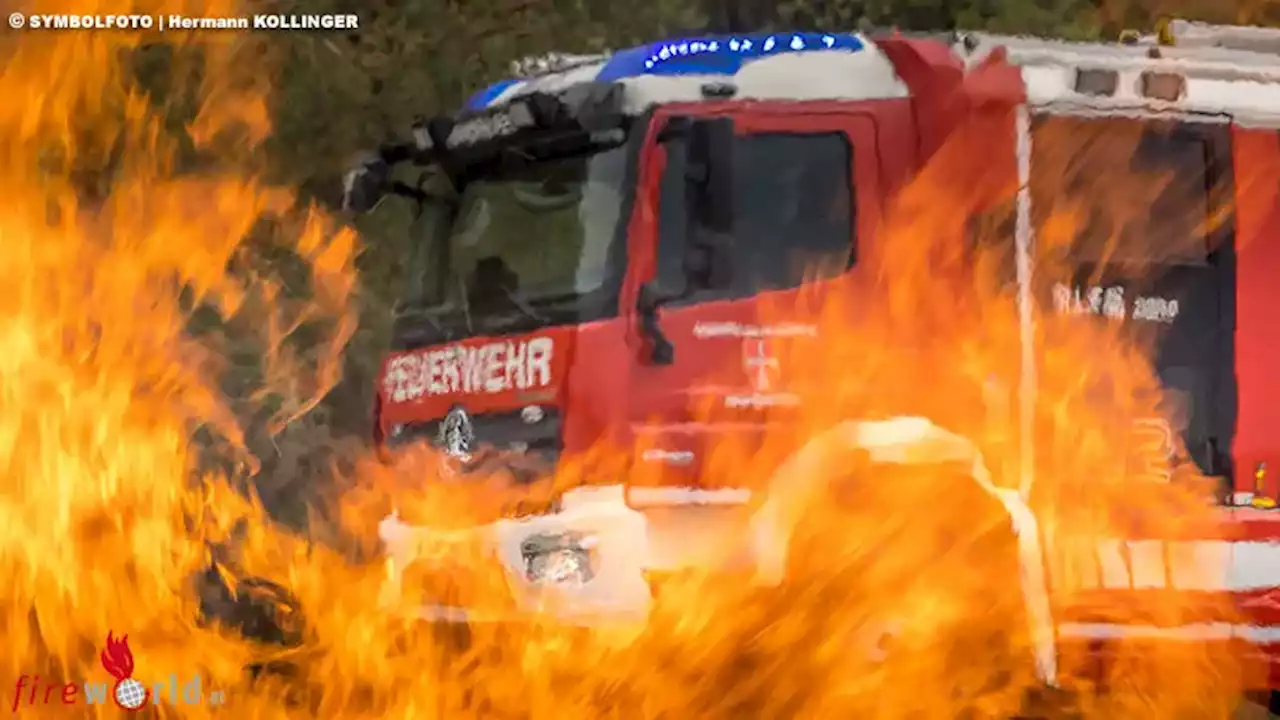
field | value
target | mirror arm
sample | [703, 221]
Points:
[396, 153]
[409, 191]
[649, 301]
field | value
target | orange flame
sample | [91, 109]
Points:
[907, 592]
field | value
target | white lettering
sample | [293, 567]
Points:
[1110, 302]
[515, 369]
[88, 22]
[449, 373]
[491, 368]
[306, 22]
[669, 457]
[435, 369]
[707, 330]
[481, 128]
[1113, 303]
[760, 401]
[472, 366]
[494, 381]
[180, 22]
[1062, 300]
[1155, 309]
[540, 362]
[1095, 300]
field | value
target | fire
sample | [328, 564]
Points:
[906, 595]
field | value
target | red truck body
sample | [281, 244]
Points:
[566, 387]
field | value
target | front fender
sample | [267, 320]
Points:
[805, 476]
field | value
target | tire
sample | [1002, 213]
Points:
[886, 543]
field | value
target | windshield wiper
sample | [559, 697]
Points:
[525, 308]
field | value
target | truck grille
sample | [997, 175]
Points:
[498, 434]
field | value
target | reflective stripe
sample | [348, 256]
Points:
[1111, 559]
[1205, 565]
[641, 496]
[1199, 565]
[1257, 634]
[1254, 565]
[1148, 563]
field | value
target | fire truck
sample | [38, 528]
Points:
[566, 286]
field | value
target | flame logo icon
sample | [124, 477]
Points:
[117, 660]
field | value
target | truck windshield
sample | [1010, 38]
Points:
[531, 244]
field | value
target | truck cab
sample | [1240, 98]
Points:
[608, 246]
[616, 226]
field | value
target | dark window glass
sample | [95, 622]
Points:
[794, 217]
[1126, 191]
[542, 230]
[533, 243]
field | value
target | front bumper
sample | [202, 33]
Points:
[580, 566]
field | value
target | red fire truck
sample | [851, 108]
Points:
[569, 289]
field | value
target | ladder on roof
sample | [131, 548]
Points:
[1193, 34]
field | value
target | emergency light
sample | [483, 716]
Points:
[1097, 82]
[1166, 86]
[719, 55]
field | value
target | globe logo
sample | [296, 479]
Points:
[130, 694]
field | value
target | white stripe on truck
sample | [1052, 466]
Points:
[1256, 634]
[1204, 565]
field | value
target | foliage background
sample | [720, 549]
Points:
[337, 94]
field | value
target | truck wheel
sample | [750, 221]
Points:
[927, 560]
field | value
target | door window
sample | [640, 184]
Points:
[794, 218]
[1138, 191]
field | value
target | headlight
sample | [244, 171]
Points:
[558, 559]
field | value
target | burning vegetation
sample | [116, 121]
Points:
[131, 244]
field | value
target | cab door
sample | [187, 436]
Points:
[1157, 255]
[805, 187]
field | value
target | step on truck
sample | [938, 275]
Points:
[538, 317]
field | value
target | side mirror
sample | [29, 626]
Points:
[710, 173]
[365, 185]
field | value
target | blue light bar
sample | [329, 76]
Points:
[482, 99]
[710, 55]
[719, 55]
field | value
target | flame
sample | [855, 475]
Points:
[907, 589]
[116, 657]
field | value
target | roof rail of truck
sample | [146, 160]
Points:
[538, 65]
[1193, 44]
[1183, 67]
